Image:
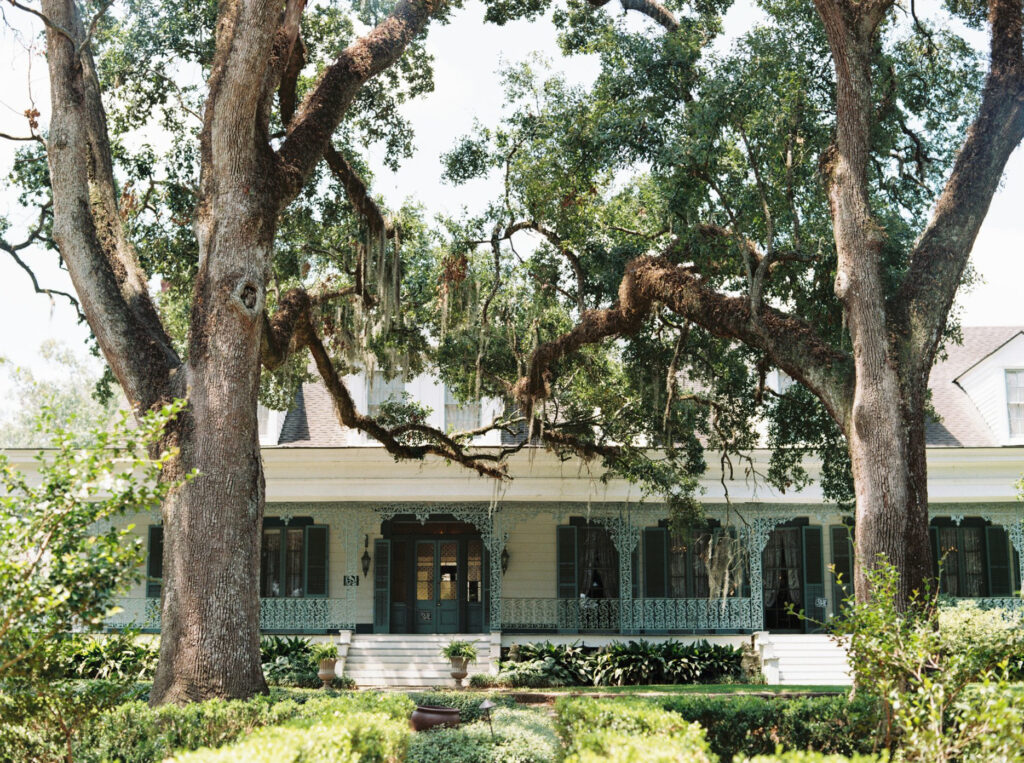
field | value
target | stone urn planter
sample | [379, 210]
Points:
[429, 716]
[459, 669]
[460, 654]
[326, 671]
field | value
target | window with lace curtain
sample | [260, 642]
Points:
[381, 390]
[459, 416]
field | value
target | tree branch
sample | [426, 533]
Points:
[309, 132]
[650, 8]
[789, 342]
[941, 254]
[87, 225]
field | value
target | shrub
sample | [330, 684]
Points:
[468, 703]
[902, 656]
[800, 756]
[737, 726]
[619, 663]
[137, 733]
[520, 736]
[687, 746]
[294, 661]
[627, 730]
[988, 636]
[119, 656]
[341, 737]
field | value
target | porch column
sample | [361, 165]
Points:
[495, 537]
[756, 538]
[625, 536]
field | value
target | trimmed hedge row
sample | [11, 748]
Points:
[627, 730]
[136, 733]
[738, 725]
[341, 737]
[632, 729]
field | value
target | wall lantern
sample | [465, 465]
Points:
[366, 555]
[504, 561]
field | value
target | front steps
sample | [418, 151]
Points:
[409, 660]
[811, 659]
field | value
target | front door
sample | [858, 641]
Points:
[437, 586]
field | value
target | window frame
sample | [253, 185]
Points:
[1011, 405]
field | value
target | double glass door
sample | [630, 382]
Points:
[437, 586]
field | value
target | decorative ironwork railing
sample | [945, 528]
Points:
[280, 614]
[629, 615]
[1012, 603]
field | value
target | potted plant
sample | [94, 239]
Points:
[460, 653]
[324, 656]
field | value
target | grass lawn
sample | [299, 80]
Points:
[684, 689]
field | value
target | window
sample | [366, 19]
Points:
[588, 563]
[293, 559]
[677, 566]
[977, 559]
[1015, 401]
[381, 390]
[460, 417]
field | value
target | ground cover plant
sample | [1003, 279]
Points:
[617, 664]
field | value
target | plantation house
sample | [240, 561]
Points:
[395, 555]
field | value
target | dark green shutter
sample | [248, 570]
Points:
[842, 564]
[566, 543]
[933, 533]
[155, 561]
[381, 585]
[814, 579]
[1016, 571]
[655, 562]
[1000, 577]
[316, 560]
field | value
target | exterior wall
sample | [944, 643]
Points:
[985, 384]
[532, 558]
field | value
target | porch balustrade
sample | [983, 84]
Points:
[306, 615]
[629, 614]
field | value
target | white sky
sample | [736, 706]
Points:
[468, 55]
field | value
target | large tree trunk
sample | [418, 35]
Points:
[877, 428]
[210, 609]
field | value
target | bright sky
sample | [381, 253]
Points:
[468, 55]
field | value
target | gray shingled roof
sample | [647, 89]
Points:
[312, 423]
[962, 425]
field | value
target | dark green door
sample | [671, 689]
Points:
[437, 586]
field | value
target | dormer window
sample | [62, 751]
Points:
[460, 417]
[382, 390]
[1015, 401]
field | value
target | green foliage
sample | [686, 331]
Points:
[137, 733]
[62, 563]
[118, 656]
[801, 756]
[64, 388]
[619, 664]
[627, 730]
[294, 661]
[945, 691]
[520, 736]
[463, 649]
[467, 703]
[356, 737]
[989, 637]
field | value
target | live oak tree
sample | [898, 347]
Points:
[806, 201]
[215, 146]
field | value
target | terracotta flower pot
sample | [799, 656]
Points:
[428, 716]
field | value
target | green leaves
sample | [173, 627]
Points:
[62, 560]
